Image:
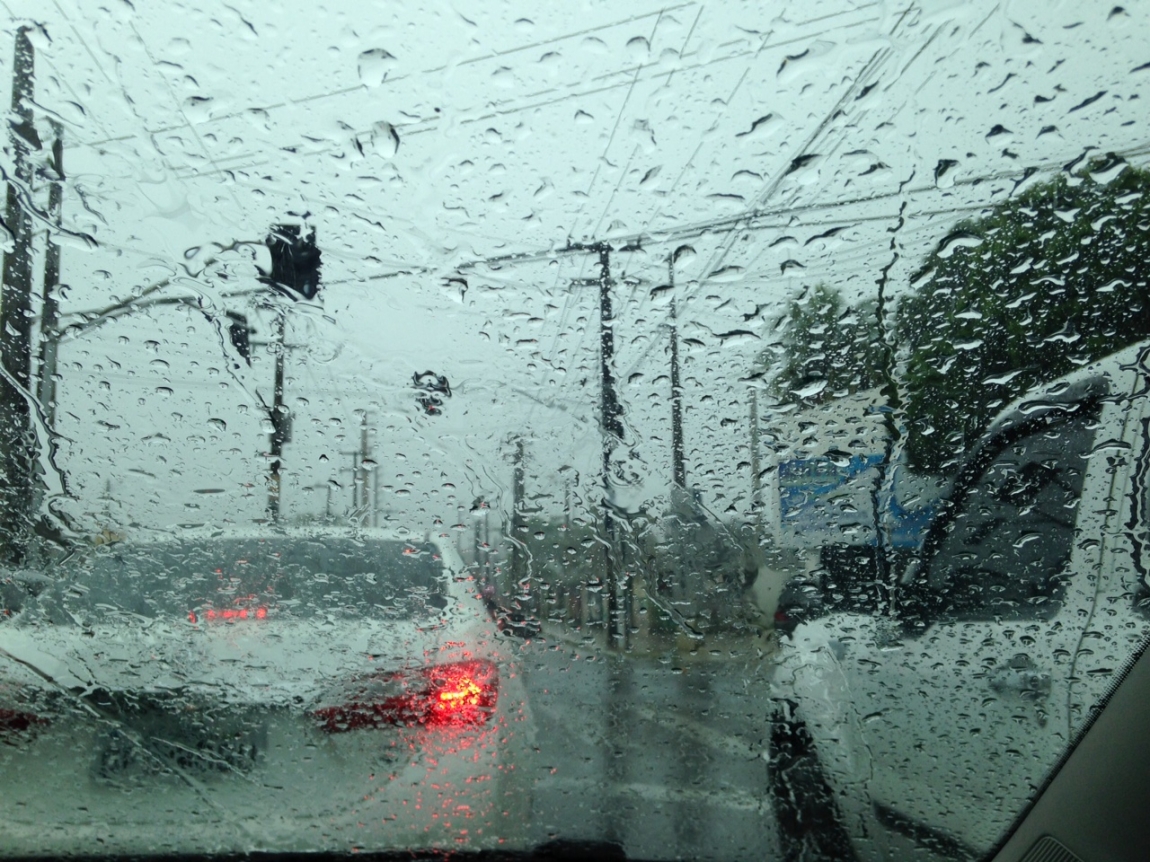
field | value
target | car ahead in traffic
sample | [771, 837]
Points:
[847, 578]
[304, 689]
[926, 726]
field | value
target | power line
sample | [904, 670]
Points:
[611, 140]
[569, 300]
[878, 59]
[345, 90]
[720, 225]
[807, 274]
[622, 175]
[744, 221]
[769, 192]
[428, 123]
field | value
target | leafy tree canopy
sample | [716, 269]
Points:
[1050, 280]
[829, 348]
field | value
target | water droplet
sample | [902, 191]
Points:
[381, 140]
[638, 49]
[374, 66]
[198, 109]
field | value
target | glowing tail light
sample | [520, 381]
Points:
[230, 614]
[447, 695]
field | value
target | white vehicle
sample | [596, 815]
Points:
[230, 692]
[926, 728]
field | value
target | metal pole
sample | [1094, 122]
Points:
[50, 307]
[476, 541]
[756, 482]
[611, 417]
[678, 458]
[17, 437]
[518, 522]
[375, 496]
[678, 450]
[363, 456]
[50, 315]
[279, 420]
[354, 477]
[486, 547]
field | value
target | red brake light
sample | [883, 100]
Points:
[230, 614]
[237, 613]
[448, 695]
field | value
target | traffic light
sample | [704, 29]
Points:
[280, 418]
[240, 334]
[295, 262]
[432, 389]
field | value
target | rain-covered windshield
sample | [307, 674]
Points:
[639, 372]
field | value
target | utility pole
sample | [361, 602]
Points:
[518, 521]
[17, 437]
[567, 503]
[375, 496]
[281, 421]
[679, 496]
[50, 312]
[678, 458]
[756, 467]
[364, 500]
[611, 420]
[355, 456]
[294, 274]
[365, 462]
[477, 534]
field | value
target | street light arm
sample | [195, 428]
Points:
[91, 319]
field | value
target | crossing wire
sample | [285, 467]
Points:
[426, 124]
[754, 56]
[345, 90]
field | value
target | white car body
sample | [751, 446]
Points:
[231, 733]
[934, 731]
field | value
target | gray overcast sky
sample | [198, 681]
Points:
[519, 127]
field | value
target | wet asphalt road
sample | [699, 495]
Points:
[663, 755]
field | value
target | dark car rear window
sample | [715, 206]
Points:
[232, 578]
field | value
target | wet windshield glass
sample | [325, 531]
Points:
[695, 430]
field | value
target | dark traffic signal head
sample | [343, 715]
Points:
[240, 334]
[431, 389]
[295, 262]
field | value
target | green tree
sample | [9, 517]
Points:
[1051, 279]
[829, 348]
